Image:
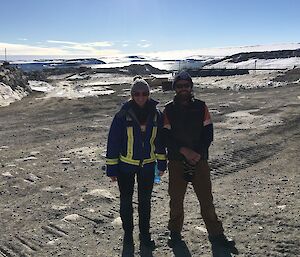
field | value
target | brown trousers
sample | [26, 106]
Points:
[202, 186]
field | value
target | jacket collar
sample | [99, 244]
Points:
[128, 104]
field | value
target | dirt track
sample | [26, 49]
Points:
[56, 200]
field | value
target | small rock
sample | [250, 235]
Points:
[102, 193]
[281, 206]
[7, 174]
[65, 161]
[72, 217]
[29, 158]
[34, 153]
[117, 222]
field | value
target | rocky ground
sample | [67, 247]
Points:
[56, 200]
[13, 84]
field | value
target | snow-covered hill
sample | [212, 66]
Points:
[277, 59]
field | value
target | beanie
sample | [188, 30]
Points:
[183, 75]
[139, 85]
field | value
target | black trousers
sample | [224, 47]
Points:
[126, 181]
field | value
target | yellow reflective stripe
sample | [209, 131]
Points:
[112, 161]
[153, 136]
[128, 160]
[161, 157]
[129, 143]
[149, 160]
[135, 162]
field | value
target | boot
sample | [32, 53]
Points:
[175, 239]
[128, 245]
[222, 246]
[146, 241]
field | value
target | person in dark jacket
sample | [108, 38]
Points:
[188, 133]
[134, 147]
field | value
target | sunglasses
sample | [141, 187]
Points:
[140, 94]
[180, 86]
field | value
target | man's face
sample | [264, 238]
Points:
[183, 88]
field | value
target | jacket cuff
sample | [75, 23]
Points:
[112, 170]
[162, 165]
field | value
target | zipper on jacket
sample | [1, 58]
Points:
[141, 161]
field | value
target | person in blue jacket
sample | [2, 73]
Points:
[134, 147]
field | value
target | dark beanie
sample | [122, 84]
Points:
[183, 75]
[139, 85]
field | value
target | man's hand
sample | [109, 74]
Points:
[114, 179]
[191, 156]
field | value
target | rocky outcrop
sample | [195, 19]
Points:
[145, 69]
[133, 69]
[13, 84]
[217, 72]
[291, 76]
[280, 54]
[43, 75]
[242, 57]
[42, 65]
[14, 78]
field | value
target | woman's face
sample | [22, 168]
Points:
[140, 97]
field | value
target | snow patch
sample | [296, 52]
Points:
[40, 86]
[246, 120]
[8, 96]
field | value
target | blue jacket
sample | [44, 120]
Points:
[126, 144]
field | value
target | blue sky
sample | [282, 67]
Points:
[115, 27]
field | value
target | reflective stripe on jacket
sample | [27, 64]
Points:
[127, 144]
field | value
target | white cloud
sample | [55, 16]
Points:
[70, 48]
[89, 44]
[79, 48]
[91, 48]
[144, 43]
[217, 52]
[99, 44]
[62, 42]
[22, 39]
[21, 49]
[124, 43]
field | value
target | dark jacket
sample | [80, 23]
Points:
[127, 143]
[187, 126]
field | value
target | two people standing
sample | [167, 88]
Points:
[186, 130]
